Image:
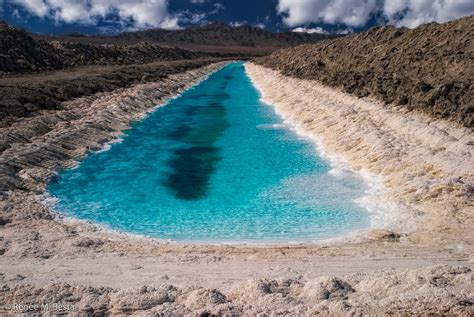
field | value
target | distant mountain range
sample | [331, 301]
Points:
[21, 53]
[215, 37]
[223, 34]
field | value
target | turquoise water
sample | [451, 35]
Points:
[214, 164]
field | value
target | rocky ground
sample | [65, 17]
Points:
[21, 53]
[428, 69]
[64, 68]
[39, 75]
[26, 95]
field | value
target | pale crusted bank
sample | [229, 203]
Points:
[44, 260]
[426, 165]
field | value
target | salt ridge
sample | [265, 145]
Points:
[419, 168]
[382, 216]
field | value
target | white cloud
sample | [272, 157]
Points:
[188, 17]
[217, 8]
[141, 14]
[16, 14]
[348, 12]
[345, 31]
[355, 13]
[244, 22]
[69, 10]
[197, 1]
[318, 29]
[36, 7]
[237, 23]
[411, 13]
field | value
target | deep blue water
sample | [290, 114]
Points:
[214, 164]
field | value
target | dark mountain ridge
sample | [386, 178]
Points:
[21, 53]
[215, 37]
[223, 34]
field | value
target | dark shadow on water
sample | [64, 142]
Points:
[192, 166]
[191, 171]
[180, 133]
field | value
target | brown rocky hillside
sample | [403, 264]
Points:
[21, 53]
[212, 37]
[224, 35]
[428, 69]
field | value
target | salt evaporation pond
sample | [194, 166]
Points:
[214, 164]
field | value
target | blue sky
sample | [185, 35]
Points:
[333, 16]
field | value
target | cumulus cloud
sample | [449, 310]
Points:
[237, 23]
[348, 12]
[245, 22]
[188, 17]
[139, 14]
[356, 13]
[36, 7]
[318, 29]
[217, 8]
[411, 13]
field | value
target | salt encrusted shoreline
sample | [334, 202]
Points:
[426, 164]
[44, 260]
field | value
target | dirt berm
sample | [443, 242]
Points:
[428, 69]
[26, 95]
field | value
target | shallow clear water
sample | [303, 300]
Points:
[214, 164]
